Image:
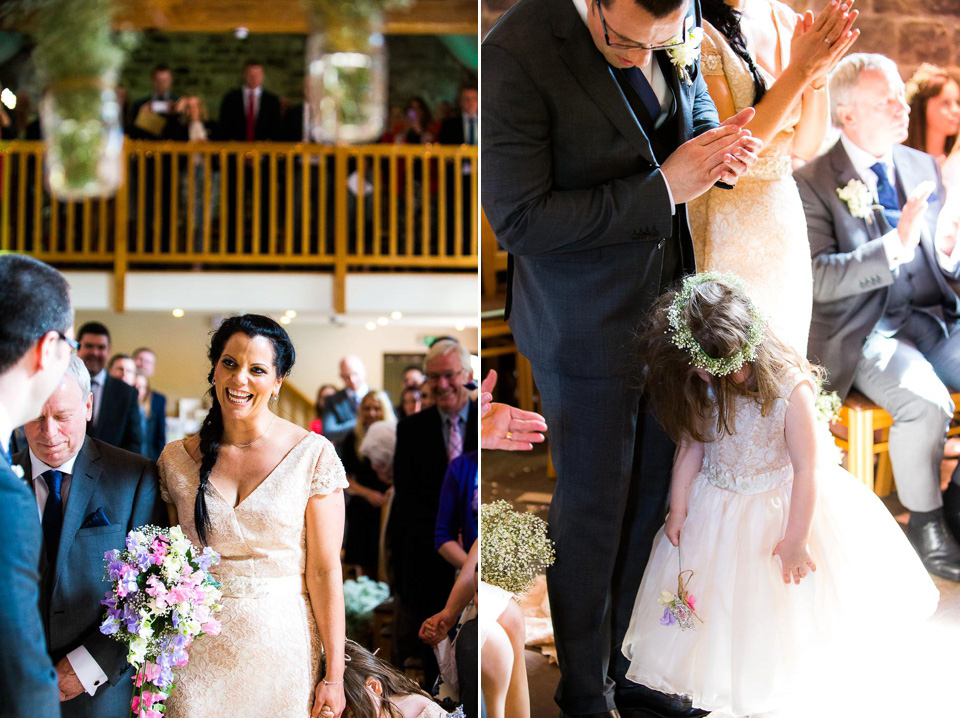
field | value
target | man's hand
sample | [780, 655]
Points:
[505, 427]
[948, 224]
[912, 215]
[723, 153]
[70, 686]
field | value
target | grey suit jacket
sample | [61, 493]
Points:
[572, 188]
[125, 487]
[851, 274]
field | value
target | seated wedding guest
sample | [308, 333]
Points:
[115, 418]
[124, 368]
[323, 393]
[456, 525]
[426, 444]
[368, 493]
[885, 319]
[340, 410]
[153, 404]
[410, 401]
[933, 95]
[155, 116]
[89, 495]
[34, 353]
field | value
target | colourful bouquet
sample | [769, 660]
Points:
[515, 548]
[163, 597]
[679, 606]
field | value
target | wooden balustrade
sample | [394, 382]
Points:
[242, 204]
[294, 405]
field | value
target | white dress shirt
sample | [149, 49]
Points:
[256, 100]
[96, 388]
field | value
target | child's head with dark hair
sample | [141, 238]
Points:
[371, 686]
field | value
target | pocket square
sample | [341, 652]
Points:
[97, 518]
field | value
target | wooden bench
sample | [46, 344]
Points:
[861, 418]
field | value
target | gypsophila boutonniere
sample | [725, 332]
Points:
[858, 198]
[683, 56]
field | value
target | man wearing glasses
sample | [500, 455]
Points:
[592, 141]
[36, 321]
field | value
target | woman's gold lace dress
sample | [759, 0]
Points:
[265, 663]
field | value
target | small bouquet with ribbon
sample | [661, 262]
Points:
[515, 548]
[163, 597]
[679, 607]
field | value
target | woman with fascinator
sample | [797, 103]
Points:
[267, 495]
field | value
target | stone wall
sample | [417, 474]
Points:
[908, 31]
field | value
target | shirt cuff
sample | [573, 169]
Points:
[896, 253]
[87, 669]
[948, 262]
[673, 205]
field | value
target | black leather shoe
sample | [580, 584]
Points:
[951, 508]
[643, 702]
[938, 550]
[605, 714]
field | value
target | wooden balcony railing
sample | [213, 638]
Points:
[243, 204]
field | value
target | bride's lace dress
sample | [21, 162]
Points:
[758, 230]
[266, 661]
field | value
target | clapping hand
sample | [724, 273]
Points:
[506, 427]
[819, 43]
[912, 216]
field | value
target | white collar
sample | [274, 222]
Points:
[99, 378]
[863, 161]
[39, 468]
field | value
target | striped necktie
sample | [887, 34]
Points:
[454, 438]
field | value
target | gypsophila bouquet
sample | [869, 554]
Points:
[679, 607]
[163, 597]
[828, 406]
[514, 549]
[360, 597]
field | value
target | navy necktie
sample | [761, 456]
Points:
[649, 98]
[472, 132]
[52, 513]
[887, 194]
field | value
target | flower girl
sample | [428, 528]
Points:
[773, 560]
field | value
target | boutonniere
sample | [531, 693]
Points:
[683, 56]
[858, 198]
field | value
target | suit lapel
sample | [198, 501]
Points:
[596, 77]
[844, 171]
[86, 474]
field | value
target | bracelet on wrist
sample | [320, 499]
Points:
[331, 683]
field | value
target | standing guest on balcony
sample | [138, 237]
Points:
[116, 417]
[155, 116]
[340, 410]
[250, 113]
[426, 444]
[461, 130]
[34, 353]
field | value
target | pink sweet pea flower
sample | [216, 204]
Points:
[211, 627]
[691, 599]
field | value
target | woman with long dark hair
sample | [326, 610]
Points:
[933, 94]
[266, 494]
[759, 53]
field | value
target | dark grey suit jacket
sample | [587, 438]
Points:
[28, 683]
[118, 420]
[851, 274]
[339, 416]
[125, 487]
[572, 188]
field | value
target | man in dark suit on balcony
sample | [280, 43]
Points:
[462, 129]
[116, 415]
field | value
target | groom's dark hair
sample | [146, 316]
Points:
[657, 8]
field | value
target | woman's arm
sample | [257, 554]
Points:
[324, 526]
[687, 463]
[800, 431]
[435, 628]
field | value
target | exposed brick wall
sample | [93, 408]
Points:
[908, 31]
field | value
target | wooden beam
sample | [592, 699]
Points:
[425, 17]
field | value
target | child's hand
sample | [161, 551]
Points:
[795, 560]
[673, 525]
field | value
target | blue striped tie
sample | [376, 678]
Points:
[887, 195]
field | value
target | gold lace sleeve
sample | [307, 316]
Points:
[162, 473]
[710, 60]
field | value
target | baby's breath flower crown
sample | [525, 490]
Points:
[682, 337]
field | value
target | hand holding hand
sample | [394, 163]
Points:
[435, 628]
[912, 215]
[67, 681]
[329, 701]
[795, 560]
[377, 499]
[673, 526]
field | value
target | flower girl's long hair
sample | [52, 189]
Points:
[718, 315]
[360, 664]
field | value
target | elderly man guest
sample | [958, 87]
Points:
[592, 143]
[426, 444]
[34, 351]
[88, 496]
[885, 320]
[340, 410]
[116, 418]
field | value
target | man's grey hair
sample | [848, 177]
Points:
[442, 347]
[77, 370]
[846, 75]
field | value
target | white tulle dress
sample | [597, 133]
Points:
[764, 645]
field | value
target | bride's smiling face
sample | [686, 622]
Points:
[245, 376]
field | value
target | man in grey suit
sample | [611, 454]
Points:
[89, 495]
[592, 143]
[340, 410]
[885, 319]
[34, 351]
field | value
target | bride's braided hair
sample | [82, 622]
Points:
[211, 431]
[727, 21]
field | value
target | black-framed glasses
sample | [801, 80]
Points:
[72, 343]
[640, 45]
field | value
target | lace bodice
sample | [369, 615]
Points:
[754, 458]
[716, 58]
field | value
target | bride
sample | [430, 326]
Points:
[266, 494]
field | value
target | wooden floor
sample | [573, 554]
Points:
[930, 689]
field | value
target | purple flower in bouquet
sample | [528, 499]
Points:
[207, 558]
[667, 619]
[127, 580]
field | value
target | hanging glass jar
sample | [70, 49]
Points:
[346, 69]
[83, 138]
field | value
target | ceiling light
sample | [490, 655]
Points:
[292, 313]
[284, 319]
[396, 315]
[178, 312]
[371, 325]
[382, 321]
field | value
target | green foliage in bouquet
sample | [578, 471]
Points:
[360, 597]
[514, 548]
